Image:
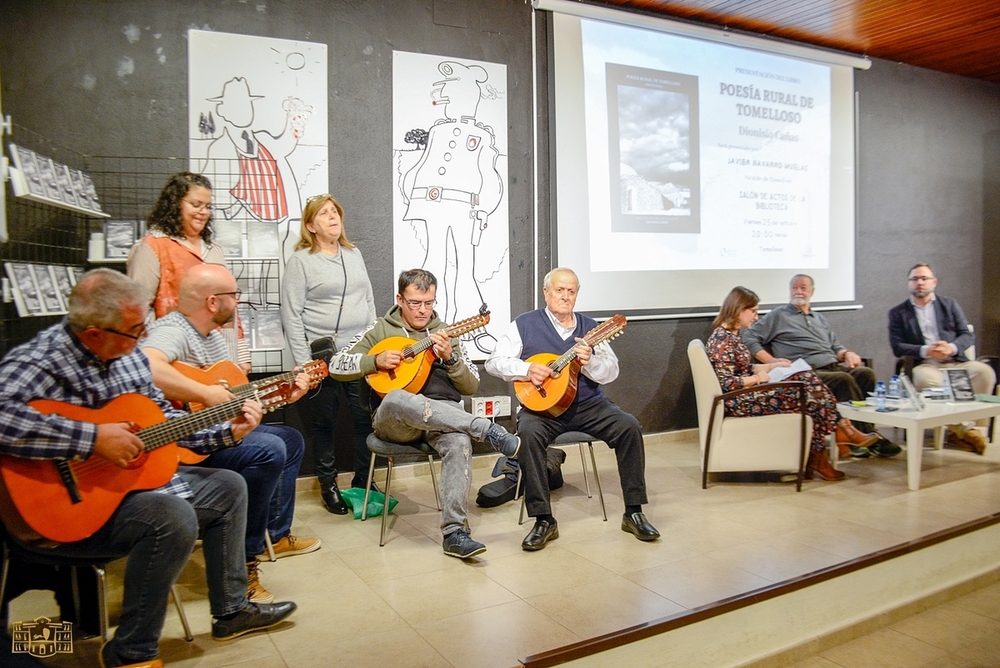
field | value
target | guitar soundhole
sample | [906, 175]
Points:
[138, 461]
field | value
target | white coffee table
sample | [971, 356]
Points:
[934, 414]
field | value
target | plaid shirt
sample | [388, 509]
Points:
[56, 365]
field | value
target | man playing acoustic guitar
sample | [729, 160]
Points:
[557, 329]
[90, 361]
[434, 410]
[269, 457]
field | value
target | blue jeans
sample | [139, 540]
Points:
[405, 417]
[262, 458]
[324, 406]
[156, 532]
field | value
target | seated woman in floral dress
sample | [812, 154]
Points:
[732, 363]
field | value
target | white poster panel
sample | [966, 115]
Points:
[449, 140]
[258, 127]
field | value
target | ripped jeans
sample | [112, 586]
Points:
[405, 417]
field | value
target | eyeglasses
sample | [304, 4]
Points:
[198, 206]
[235, 293]
[414, 304]
[316, 197]
[915, 279]
[135, 337]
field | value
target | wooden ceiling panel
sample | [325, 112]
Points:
[958, 36]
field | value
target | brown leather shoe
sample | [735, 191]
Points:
[820, 467]
[848, 434]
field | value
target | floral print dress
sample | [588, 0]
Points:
[731, 360]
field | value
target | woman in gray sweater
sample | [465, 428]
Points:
[325, 291]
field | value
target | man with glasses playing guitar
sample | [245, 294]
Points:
[89, 468]
[417, 362]
[186, 340]
[560, 359]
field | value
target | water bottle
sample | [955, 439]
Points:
[893, 387]
[880, 396]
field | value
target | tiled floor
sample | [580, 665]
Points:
[409, 605]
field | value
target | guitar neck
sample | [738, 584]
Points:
[248, 390]
[163, 433]
[606, 331]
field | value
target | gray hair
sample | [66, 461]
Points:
[811, 281]
[100, 297]
[547, 281]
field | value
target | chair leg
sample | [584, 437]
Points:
[583, 464]
[520, 517]
[270, 548]
[437, 494]
[4, 570]
[385, 506]
[368, 488]
[102, 600]
[597, 479]
[180, 611]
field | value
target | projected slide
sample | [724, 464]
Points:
[653, 150]
[717, 157]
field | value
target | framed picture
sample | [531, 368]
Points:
[47, 290]
[22, 284]
[960, 384]
[62, 277]
[47, 172]
[24, 160]
[119, 237]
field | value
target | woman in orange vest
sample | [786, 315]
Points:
[179, 236]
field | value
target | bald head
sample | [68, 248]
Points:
[201, 282]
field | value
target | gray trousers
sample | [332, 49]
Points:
[405, 417]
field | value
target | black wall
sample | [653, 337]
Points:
[929, 161]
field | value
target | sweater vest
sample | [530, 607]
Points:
[538, 335]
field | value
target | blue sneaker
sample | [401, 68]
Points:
[460, 545]
[502, 440]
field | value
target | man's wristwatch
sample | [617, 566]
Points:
[451, 361]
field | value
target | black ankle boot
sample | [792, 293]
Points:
[332, 499]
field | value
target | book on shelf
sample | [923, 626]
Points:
[262, 239]
[267, 332]
[65, 182]
[26, 163]
[63, 278]
[229, 235]
[47, 172]
[47, 290]
[24, 290]
[119, 237]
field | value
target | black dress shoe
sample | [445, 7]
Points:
[333, 501]
[254, 617]
[637, 524]
[539, 535]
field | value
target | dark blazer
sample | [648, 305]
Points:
[906, 338]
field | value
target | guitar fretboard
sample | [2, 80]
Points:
[158, 435]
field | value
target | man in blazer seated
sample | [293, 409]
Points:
[933, 330]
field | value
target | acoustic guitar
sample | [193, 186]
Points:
[276, 389]
[418, 357]
[558, 391]
[62, 501]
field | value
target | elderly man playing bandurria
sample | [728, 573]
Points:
[556, 329]
[795, 331]
[932, 329]
[89, 361]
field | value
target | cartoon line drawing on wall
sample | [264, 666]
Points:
[258, 127]
[451, 213]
